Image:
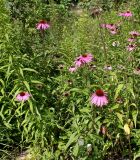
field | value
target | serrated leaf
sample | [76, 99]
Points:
[76, 150]
[118, 89]
[130, 89]
[120, 116]
[72, 139]
[115, 107]
[134, 115]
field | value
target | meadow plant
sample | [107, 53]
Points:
[69, 82]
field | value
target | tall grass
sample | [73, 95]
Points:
[58, 121]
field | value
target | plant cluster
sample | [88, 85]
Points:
[69, 80]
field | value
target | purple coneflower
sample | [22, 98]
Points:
[23, 96]
[131, 39]
[113, 31]
[108, 26]
[126, 14]
[85, 58]
[72, 69]
[131, 47]
[134, 33]
[42, 25]
[99, 98]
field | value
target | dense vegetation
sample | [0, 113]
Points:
[69, 80]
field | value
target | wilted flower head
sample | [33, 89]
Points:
[131, 47]
[89, 149]
[95, 11]
[99, 98]
[121, 67]
[92, 67]
[83, 59]
[108, 67]
[42, 25]
[70, 82]
[119, 100]
[103, 130]
[137, 71]
[61, 66]
[72, 69]
[23, 96]
[115, 43]
[126, 14]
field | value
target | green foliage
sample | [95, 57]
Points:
[58, 120]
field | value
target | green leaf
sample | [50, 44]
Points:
[120, 116]
[7, 125]
[134, 115]
[137, 155]
[21, 72]
[36, 82]
[76, 150]
[72, 139]
[30, 70]
[31, 106]
[27, 85]
[130, 90]
[2, 82]
[119, 88]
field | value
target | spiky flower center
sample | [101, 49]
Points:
[128, 12]
[138, 69]
[135, 34]
[84, 55]
[22, 94]
[42, 21]
[131, 45]
[113, 29]
[99, 93]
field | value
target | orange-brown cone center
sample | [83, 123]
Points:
[42, 21]
[22, 94]
[99, 93]
[84, 55]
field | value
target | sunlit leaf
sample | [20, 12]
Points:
[120, 116]
[76, 150]
[134, 115]
[118, 89]
[72, 139]
[127, 129]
